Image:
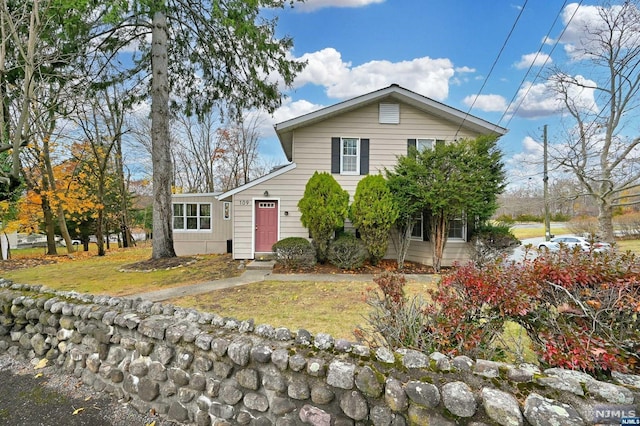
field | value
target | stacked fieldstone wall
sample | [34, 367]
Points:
[200, 368]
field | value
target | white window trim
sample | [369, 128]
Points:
[421, 237]
[433, 143]
[464, 230]
[357, 171]
[226, 210]
[184, 209]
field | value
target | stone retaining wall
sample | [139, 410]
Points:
[200, 368]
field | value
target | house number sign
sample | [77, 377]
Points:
[244, 202]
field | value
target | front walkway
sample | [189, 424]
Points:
[259, 271]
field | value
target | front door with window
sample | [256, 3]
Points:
[266, 225]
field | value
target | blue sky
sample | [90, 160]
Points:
[444, 50]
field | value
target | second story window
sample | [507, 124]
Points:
[350, 156]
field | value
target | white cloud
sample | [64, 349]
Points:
[311, 5]
[324, 68]
[584, 22]
[541, 100]
[486, 102]
[291, 109]
[427, 76]
[525, 167]
[533, 59]
[465, 69]
[531, 146]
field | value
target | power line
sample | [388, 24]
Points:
[492, 67]
[543, 65]
[532, 64]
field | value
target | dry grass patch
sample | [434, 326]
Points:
[319, 307]
[88, 273]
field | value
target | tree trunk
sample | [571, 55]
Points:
[99, 232]
[48, 169]
[49, 225]
[160, 145]
[404, 239]
[127, 240]
[439, 230]
[605, 222]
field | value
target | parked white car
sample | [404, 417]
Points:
[63, 243]
[571, 242]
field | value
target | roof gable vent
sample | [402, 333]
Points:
[389, 114]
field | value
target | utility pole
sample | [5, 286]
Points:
[545, 180]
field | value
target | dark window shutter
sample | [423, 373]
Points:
[426, 225]
[335, 155]
[364, 156]
[439, 142]
[411, 143]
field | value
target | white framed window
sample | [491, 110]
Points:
[418, 228]
[226, 210]
[458, 228]
[423, 144]
[192, 216]
[350, 156]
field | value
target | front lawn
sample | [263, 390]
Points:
[319, 307]
[89, 273]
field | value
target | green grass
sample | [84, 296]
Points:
[536, 230]
[628, 245]
[336, 308]
[86, 273]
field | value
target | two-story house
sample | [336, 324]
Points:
[360, 136]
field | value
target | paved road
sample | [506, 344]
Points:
[45, 397]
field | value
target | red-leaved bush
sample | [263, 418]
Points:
[580, 310]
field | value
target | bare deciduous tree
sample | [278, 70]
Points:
[602, 147]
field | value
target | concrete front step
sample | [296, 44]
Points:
[261, 264]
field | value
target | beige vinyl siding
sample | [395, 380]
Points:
[203, 241]
[312, 152]
[287, 189]
[312, 144]
[422, 252]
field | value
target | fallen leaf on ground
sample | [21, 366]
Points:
[41, 364]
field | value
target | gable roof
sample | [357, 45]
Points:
[276, 172]
[285, 129]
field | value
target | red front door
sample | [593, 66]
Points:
[266, 225]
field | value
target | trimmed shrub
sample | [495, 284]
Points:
[373, 213]
[347, 252]
[324, 207]
[294, 252]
